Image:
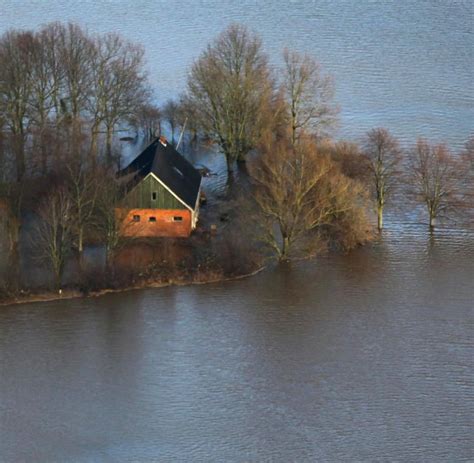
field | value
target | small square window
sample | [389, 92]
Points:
[154, 195]
[152, 219]
[177, 219]
[136, 218]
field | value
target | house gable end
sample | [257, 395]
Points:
[151, 193]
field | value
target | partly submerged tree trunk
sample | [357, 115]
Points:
[432, 221]
[285, 249]
[380, 217]
[230, 160]
[241, 158]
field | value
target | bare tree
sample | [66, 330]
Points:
[188, 119]
[119, 85]
[11, 197]
[468, 153]
[300, 194]
[3, 151]
[82, 184]
[53, 232]
[108, 220]
[171, 116]
[309, 94]
[62, 79]
[228, 86]
[437, 178]
[349, 158]
[43, 87]
[148, 119]
[15, 91]
[383, 155]
[51, 38]
[76, 50]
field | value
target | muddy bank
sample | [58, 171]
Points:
[26, 297]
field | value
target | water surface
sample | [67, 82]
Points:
[364, 357]
[407, 65]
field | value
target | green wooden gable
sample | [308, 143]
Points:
[143, 195]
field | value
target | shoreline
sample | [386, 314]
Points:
[47, 296]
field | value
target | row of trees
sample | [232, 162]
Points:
[234, 97]
[314, 191]
[61, 80]
[64, 92]
[431, 174]
[76, 207]
[240, 102]
[80, 206]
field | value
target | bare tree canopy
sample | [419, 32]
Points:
[230, 87]
[468, 153]
[108, 224]
[171, 116]
[436, 178]
[148, 119]
[82, 188]
[62, 82]
[15, 91]
[309, 94]
[119, 84]
[53, 232]
[300, 193]
[383, 156]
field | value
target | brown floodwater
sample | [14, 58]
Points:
[359, 357]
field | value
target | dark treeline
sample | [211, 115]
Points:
[65, 94]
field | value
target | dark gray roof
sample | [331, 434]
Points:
[161, 159]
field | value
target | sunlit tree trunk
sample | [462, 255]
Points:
[380, 217]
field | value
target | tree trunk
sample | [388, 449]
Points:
[80, 248]
[241, 158]
[285, 248]
[230, 168]
[76, 137]
[293, 133]
[19, 157]
[44, 153]
[80, 239]
[108, 145]
[93, 148]
[13, 275]
[432, 221]
[110, 265]
[380, 217]
[194, 138]
[172, 134]
[232, 155]
[58, 277]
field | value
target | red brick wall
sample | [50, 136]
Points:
[164, 225]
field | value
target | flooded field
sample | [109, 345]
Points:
[359, 357]
[363, 357]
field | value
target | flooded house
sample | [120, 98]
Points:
[161, 193]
